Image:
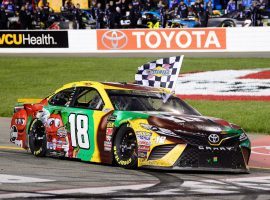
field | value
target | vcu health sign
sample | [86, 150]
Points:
[162, 39]
[33, 39]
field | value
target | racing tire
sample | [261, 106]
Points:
[37, 139]
[227, 23]
[125, 148]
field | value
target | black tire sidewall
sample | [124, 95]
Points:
[226, 23]
[37, 151]
[130, 163]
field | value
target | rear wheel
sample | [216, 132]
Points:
[227, 23]
[37, 139]
[125, 148]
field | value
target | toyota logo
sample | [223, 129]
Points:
[114, 39]
[213, 138]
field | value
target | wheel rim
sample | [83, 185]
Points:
[38, 135]
[128, 145]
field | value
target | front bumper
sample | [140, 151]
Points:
[199, 169]
[194, 158]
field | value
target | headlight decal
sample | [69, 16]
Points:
[162, 131]
[243, 137]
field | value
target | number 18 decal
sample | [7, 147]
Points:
[79, 130]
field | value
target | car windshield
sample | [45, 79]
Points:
[130, 100]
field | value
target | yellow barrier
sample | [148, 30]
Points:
[56, 4]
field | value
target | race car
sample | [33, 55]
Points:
[128, 125]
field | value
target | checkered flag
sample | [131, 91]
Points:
[160, 73]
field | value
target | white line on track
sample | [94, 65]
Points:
[6, 178]
[204, 186]
[257, 149]
[88, 190]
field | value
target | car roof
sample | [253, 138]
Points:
[112, 86]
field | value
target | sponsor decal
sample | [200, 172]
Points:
[125, 162]
[109, 131]
[114, 39]
[34, 39]
[118, 160]
[216, 148]
[143, 148]
[159, 71]
[243, 137]
[110, 125]
[253, 84]
[57, 144]
[54, 141]
[111, 118]
[144, 142]
[108, 138]
[107, 145]
[107, 149]
[62, 132]
[61, 144]
[142, 154]
[169, 39]
[180, 119]
[50, 145]
[143, 139]
[213, 160]
[213, 138]
[160, 139]
[143, 135]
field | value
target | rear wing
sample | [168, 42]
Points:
[28, 101]
[21, 102]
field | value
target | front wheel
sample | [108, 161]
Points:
[125, 148]
[37, 139]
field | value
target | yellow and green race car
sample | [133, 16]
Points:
[128, 125]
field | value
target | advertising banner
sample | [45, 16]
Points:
[118, 41]
[162, 39]
[34, 39]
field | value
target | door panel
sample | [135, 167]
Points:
[86, 107]
[82, 135]
[81, 110]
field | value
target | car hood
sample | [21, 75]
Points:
[193, 129]
[196, 129]
[191, 123]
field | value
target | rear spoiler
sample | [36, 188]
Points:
[21, 102]
[28, 101]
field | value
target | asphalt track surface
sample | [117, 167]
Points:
[24, 176]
